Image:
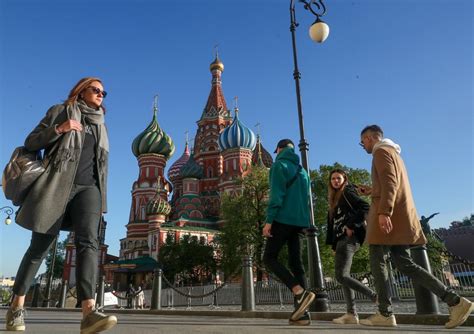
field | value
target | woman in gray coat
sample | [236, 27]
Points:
[69, 195]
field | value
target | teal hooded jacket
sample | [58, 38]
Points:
[288, 204]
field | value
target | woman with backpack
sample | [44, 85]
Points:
[69, 195]
[346, 233]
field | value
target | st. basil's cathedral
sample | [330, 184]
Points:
[187, 202]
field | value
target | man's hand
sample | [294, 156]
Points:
[266, 230]
[69, 125]
[385, 224]
[364, 190]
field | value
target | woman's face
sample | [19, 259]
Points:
[337, 180]
[93, 94]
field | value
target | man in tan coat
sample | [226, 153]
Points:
[393, 226]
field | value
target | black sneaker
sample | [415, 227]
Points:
[97, 322]
[305, 320]
[302, 303]
[15, 319]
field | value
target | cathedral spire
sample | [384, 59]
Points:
[216, 105]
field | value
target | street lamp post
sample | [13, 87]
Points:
[9, 211]
[318, 32]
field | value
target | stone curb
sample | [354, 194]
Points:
[402, 318]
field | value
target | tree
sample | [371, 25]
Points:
[319, 182]
[244, 215]
[190, 260]
[59, 261]
[436, 252]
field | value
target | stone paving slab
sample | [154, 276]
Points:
[54, 321]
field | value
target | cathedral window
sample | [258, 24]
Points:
[235, 164]
[210, 172]
[147, 172]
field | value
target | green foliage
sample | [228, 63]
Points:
[190, 261]
[435, 249]
[5, 295]
[244, 215]
[468, 221]
[59, 261]
[320, 181]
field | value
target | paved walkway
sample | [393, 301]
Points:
[64, 322]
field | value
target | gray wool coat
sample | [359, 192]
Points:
[43, 210]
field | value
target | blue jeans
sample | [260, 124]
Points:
[402, 259]
[345, 250]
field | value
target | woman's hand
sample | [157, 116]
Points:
[349, 232]
[364, 190]
[69, 125]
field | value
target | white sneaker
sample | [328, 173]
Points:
[347, 318]
[379, 320]
[458, 313]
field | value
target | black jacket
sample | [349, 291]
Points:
[350, 211]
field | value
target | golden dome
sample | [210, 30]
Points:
[217, 65]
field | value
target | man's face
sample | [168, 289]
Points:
[366, 142]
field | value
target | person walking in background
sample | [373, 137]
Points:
[393, 226]
[130, 294]
[140, 300]
[346, 233]
[287, 216]
[69, 195]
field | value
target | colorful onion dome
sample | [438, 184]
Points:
[189, 206]
[157, 205]
[237, 135]
[217, 65]
[191, 169]
[260, 155]
[153, 140]
[174, 170]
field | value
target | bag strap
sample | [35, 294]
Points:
[348, 202]
[293, 179]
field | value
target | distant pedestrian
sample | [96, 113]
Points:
[287, 216]
[130, 294]
[140, 300]
[69, 195]
[346, 233]
[393, 226]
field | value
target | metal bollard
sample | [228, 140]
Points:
[62, 297]
[280, 297]
[101, 292]
[36, 292]
[426, 301]
[248, 293]
[156, 291]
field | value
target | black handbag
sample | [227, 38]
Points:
[20, 173]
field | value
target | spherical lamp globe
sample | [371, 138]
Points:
[319, 31]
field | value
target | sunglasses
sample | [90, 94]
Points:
[96, 90]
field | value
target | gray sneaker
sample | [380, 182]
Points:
[15, 319]
[97, 322]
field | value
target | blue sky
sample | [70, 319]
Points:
[405, 65]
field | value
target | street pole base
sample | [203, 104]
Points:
[320, 304]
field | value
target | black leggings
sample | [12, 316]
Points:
[83, 209]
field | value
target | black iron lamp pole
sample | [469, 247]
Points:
[9, 211]
[318, 32]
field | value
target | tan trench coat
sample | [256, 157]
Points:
[391, 195]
